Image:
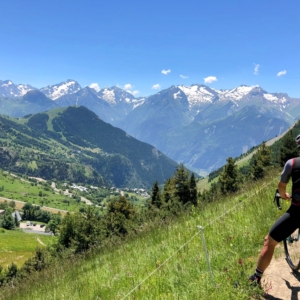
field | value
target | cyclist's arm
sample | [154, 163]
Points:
[284, 179]
[282, 190]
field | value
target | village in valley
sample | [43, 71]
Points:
[82, 194]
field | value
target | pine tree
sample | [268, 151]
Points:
[119, 216]
[156, 199]
[228, 178]
[213, 192]
[260, 161]
[193, 190]
[258, 170]
[181, 179]
[288, 149]
[264, 154]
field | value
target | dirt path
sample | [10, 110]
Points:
[40, 241]
[279, 282]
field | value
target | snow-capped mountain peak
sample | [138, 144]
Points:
[236, 93]
[197, 94]
[9, 89]
[7, 83]
[64, 88]
[115, 95]
[108, 95]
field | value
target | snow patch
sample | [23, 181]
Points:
[273, 98]
[236, 93]
[63, 89]
[270, 97]
[137, 103]
[7, 84]
[196, 94]
[109, 96]
[175, 95]
[23, 89]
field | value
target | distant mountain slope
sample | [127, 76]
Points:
[221, 127]
[127, 157]
[32, 102]
[88, 97]
[74, 144]
[207, 146]
[160, 113]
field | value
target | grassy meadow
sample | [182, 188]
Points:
[17, 246]
[169, 261]
[20, 189]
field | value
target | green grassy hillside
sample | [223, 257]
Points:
[17, 246]
[39, 193]
[169, 261]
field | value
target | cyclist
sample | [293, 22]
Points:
[288, 222]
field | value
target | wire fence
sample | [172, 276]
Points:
[196, 234]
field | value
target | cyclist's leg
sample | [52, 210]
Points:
[266, 253]
[282, 228]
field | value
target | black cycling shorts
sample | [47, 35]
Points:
[286, 224]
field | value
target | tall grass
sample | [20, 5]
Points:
[169, 262]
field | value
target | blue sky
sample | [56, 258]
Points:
[147, 46]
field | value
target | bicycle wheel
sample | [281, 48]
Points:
[292, 250]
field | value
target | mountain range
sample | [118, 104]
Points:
[196, 125]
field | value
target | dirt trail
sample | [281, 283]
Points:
[40, 241]
[279, 282]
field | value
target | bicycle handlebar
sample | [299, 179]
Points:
[277, 199]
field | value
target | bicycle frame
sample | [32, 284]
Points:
[293, 262]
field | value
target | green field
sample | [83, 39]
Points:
[20, 189]
[35, 193]
[17, 246]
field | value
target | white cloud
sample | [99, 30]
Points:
[128, 86]
[210, 79]
[134, 93]
[256, 68]
[184, 77]
[156, 86]
[95, 86]
[281, 73]
[166, 72]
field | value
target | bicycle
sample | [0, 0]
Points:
[291, 243]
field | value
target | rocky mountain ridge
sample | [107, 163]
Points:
[196, 94]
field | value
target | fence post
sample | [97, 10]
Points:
[206, 254]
